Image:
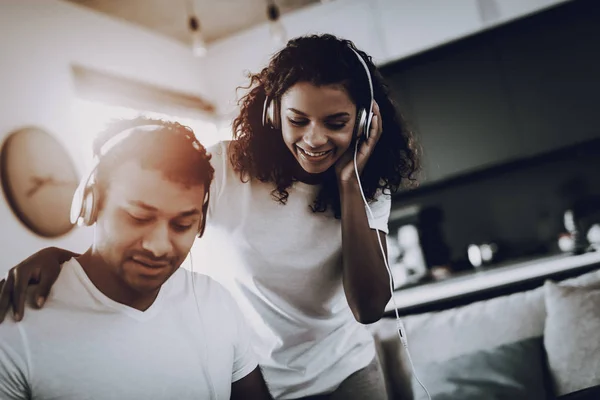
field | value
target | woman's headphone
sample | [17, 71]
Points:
[272, 110]
[84, 207]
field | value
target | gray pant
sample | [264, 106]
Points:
[365, 384]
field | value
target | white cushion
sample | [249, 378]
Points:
[572, 337]
[439, 336]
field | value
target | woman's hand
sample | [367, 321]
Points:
[41, 268]
[344, 167]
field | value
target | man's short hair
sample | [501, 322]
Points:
[171, 148]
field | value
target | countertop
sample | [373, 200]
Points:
[489, 278]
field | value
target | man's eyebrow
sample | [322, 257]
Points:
[143, 205]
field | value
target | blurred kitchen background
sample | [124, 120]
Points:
[501, 93]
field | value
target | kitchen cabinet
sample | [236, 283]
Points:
[519, 90]
[409, 26]
[551, 67]
[501, 11]
[350, 19]
[455, 101]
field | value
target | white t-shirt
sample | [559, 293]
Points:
[283, 265]
[83, 345]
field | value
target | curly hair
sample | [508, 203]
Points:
[260, 152]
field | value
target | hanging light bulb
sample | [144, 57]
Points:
[276, 28]
[198, 43]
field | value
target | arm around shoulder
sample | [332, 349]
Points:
[43, 268]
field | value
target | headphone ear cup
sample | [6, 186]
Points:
[204, 214]
[368, 122]
[77, 204]
[90, 206]
[265, 117]
[271, 117]
[361, 124]
[274, 114]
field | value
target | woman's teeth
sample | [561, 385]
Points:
[311, 154]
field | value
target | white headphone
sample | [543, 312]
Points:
[84, 207]
[272, 110]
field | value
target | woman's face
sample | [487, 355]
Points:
[317, 124]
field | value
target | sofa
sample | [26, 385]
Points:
[538, 344]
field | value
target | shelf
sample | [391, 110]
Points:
[487, 279]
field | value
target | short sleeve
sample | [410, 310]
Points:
[380, 211]
[13, 365]
[244, 359]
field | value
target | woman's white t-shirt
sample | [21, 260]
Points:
[283, 265]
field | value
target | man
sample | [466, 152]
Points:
[123, 321]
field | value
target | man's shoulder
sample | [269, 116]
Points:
[60, 301]
[30, 308]
[11, 331]
[69, 291]
[14, 358]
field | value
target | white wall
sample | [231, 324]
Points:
[40, 40]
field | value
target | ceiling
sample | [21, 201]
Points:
[218, 18]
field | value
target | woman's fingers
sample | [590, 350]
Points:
[376, 126]
[42, 268]
[47, 279]
[379, 120]
[375, 130]
[19, 292]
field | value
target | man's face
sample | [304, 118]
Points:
[147, 226]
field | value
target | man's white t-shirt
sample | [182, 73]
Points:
[83, 345]
[283, 265]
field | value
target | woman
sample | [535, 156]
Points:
[297, 247]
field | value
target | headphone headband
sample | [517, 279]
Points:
[121, 136]
[271, 108]
[78, 207]
[84, 207]
[368, 73]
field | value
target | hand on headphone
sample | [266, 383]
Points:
[344, 167]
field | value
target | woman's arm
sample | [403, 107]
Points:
[251, 387]
[365, 277]
[366, 280]
[41, 268]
